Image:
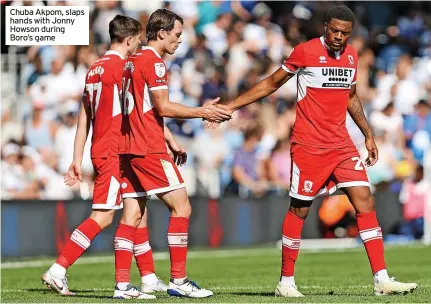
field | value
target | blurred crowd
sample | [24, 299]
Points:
[227, 47]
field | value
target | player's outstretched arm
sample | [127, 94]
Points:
[74, 174]
[356, 111]
[261, 89]
[209, 112]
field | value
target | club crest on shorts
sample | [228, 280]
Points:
[160, 69]
[308, 185]
[351, 61]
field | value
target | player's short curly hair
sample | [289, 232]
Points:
[340, 12]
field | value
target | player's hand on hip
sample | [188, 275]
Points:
[373, 152]
[73, 175]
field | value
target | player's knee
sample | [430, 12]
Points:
[301, 212]
[300, 207]
[183, 208]
[366, 203]
[131, 219]
[103, 218]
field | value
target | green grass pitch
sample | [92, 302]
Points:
[239, 276]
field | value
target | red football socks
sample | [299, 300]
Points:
[79, 241]
[123, 243]
[371, 235]
[178, 241]
[292, 228]
[143, 252]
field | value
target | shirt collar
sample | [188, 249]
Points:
[112, 52]
[336, 54]
[152, 49]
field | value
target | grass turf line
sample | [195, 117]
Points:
[243, 278]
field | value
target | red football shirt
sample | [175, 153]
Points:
[324, 82]
[142, 126]
[102, 95]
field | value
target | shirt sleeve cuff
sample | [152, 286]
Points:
[287, 69]
[163, 87]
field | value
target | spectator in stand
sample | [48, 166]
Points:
[210, 149]
[215, 34]
[417, 128]
[64, 141]
[39, 130]
[277, 166]
[55, 88]
[11, 129]
[412, 196]
[247, 168]
[399, 87]
[389, 121]
[11, 182]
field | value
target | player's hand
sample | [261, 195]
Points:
[178, 154]
[373, 152]
[73, 175]
[214, 112]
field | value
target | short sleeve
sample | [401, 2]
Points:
[355, 58]
[156, 75]
[295, 61]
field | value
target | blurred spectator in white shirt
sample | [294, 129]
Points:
[64, 143]
[400, 87]
[11, 178]
[215, 34]
[51, 183]
[39, 131]
[384, 170]
[65, 137]
[55, 88]
[389, 121]
[211, 149]
[11, 129]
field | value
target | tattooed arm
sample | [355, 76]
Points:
[356, 111]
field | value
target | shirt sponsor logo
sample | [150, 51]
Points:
[97, 70]
[337, 72]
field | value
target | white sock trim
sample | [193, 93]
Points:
[179, 281]
[149, 279]
[381, 276]
[122, 285]
[57, 270]
[288, 281]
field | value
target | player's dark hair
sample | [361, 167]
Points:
[342, 13]
[161, 19]
[122, 26]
